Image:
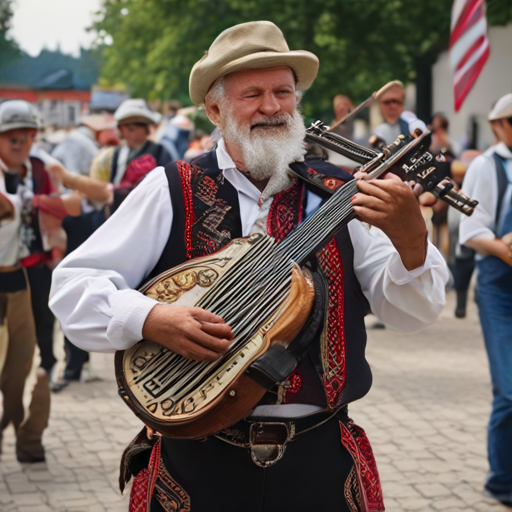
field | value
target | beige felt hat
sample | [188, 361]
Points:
[502, 109]
[254, 45]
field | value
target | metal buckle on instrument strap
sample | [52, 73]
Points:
[268, 442]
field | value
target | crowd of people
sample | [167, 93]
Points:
[54, 198]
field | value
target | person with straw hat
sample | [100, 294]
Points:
[489, 232]
[250, 83]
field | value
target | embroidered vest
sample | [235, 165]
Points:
[206, 216]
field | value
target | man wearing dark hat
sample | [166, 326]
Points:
[251, 83]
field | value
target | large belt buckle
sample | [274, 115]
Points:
[268, 442]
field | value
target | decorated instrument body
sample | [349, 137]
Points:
[184, 398]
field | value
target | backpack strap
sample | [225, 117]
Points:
[404, 126]
[502, 178]
[113, 169]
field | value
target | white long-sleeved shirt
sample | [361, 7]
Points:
[9, 229]
[481, 183]
[93, 292]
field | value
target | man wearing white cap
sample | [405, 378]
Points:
[23, 180]
[251, 83]
[489, 232]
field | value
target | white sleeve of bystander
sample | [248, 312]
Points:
[405, 300]
[93, 289]
[480, 183]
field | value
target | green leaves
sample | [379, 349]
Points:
[361, 44]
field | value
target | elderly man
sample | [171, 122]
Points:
[489, 233]
[396, 120]
[251, 83]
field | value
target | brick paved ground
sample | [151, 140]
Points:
[426, 417]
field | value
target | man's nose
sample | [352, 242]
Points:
[269, 105]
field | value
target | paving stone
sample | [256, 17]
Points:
[432, 490]
[426, 417]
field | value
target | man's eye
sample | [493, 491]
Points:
[284, 91]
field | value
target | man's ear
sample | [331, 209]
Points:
[213, 113]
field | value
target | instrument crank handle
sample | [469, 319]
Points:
[446, 191]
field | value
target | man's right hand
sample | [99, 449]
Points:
[189, 331]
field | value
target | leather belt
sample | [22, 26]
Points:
[267, 436]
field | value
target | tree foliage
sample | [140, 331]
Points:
[361, 44]
[8, 48]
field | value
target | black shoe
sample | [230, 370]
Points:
[505, 498]
[31, 456]
[460, 309]
[59, 385]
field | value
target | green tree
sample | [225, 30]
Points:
[8, 48]
[361, 44]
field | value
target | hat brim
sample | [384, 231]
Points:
[504, 114]
[136, 119]
[19, 126]
[304, 64]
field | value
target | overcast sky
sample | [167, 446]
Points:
[37, 24]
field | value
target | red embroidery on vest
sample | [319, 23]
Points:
[333, 337]
[186, 185]
[139, 492]
[295, 383]
[156, 481]
[285, 212]
[207, 190]
[354, 439]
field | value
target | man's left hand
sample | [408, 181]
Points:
[392, 205]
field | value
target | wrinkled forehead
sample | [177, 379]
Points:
[264, 78]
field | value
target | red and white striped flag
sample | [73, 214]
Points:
[469, 46]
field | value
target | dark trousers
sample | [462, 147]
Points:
[463, 270]
[219, 477]
[75, 359]
[40, 279]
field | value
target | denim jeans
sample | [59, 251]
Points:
[495, 308]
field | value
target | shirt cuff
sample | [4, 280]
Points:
[400, 275]
[128, 317]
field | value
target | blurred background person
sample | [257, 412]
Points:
[396, 120]
[489, 232]
[342, 105]
[442, 143]
[137, 155]
[30, 248]
[175, 131]
[80, 146]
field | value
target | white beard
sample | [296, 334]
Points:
[267, 152]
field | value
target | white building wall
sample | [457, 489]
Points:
[494, 81]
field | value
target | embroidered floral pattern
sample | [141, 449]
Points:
[354, 439]
[333, 336]
[156, 482]
[353, 491]
[205, 213]
[139, 492]
[285, 212]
